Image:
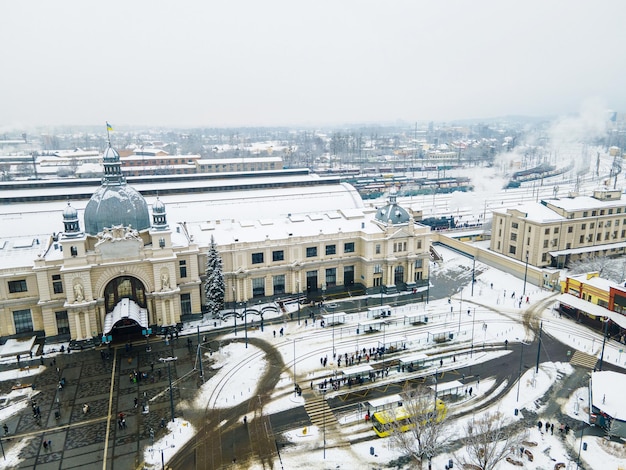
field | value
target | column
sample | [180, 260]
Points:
[87, 324]
[79, 332]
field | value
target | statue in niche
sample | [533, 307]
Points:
[165, 280]
[79, 292]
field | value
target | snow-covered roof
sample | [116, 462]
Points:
[582, 203]
[592, 309]
[607, 389]
[596, 281]
[588, 249]
[535, 212]
[227, 161]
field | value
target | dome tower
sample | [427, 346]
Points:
[115, 203]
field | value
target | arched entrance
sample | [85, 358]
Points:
[126, 307]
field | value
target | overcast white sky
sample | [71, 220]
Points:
[238, 63]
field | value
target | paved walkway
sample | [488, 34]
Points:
[79, 439]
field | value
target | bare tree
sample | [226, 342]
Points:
[613, 269]
[426, 433]
[488, 441]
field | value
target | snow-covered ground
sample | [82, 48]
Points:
[493, 317]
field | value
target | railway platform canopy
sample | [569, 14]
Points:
[379, 311]
[371, 326]
[414, 361]
[441, 336]
[356, 372]
[384, 403]
[331, 319]
[454, 387]
[417, 319]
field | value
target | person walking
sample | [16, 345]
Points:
[45, 445]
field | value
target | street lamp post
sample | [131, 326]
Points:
[245, 321]
[606, 328]
[582, 434]
[168, 360]
[473, 274]
[295, 389]
[298, 289]
[460, 312]
[235, 309]
[525, 275]
[519, 379]
[473, 321]
[324, 420]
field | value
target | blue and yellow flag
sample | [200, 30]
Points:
[109, 127]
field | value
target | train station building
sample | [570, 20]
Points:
[116, 264]
[554, 232]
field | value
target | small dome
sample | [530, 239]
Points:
[116, 205]
[110, 154]
[158, 207]
[392, 213]
[70, 213]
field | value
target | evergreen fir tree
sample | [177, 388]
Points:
[214, 288]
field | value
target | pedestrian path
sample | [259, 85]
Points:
[318, 410]
[584, 360]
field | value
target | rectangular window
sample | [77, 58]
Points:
[513, 237]
[185, 304]
[583, 227]
[581, 239]
[544, 257]
[182, 268]
[258, 287]
[547, 231]
[419, 264]
[623, 233]
[378, 247]
[57, 284]
[63, 323]
[331, 277]
[257, 258]
[378, 269]
[545, 243]
[512, 249]
[279, 284]
[278, 255]
[592, 225]
[348, 247]
[594, 213]
[570, 229]
[23, 321]
[17, 286]
[311, 252]
[514, 225]
[419, 244]
[585, 214]
[331, 249]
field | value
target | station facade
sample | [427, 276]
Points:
[123, 268]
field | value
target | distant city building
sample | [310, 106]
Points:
[224, 165]
[554, 232]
